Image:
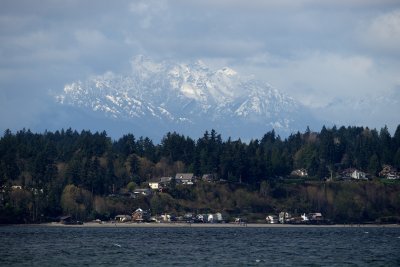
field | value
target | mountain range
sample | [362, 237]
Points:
[189, 98]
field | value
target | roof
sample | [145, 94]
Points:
[154, 180]
[165, 179]
[184, 176]
[348, 171]
[142, 190]
[122, 216]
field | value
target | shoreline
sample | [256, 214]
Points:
[208, 225]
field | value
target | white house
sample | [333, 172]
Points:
[353, 173]
[123, 218]
[165, 217]
[155, 184]
[284, 217]
[218, 217]
[272, 219]
[316, 216]
[393, 176]
[16, 187]
[142, 191]
[299, 173]
[304, 217]
[356, 174]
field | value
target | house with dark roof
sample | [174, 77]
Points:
[184, 178]
[140, 215]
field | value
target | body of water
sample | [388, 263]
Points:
[308, 246]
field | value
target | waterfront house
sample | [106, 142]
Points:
[140, 215]
[201, 218]
[304, 218]
[315, 216]
[284, 217]
[165, 217]
[66, 219]
[188, 217]
[218, 217]
[272, 219]
[123, 218]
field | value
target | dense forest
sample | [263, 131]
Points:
[85, 174]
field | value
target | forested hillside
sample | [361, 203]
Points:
[85, 174]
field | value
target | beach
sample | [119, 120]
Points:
[209, 225]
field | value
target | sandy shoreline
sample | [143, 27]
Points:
[207, 225]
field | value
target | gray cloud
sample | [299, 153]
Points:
[382, 33]
[317, 51]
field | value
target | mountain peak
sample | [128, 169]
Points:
[183, 96]
[228, 71]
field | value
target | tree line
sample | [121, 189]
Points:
[51, 166]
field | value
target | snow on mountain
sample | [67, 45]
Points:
[365, 110]
[183, 97]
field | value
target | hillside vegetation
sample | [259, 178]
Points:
[88, 175]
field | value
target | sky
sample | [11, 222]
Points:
[340, 58]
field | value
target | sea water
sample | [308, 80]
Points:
[196, 246]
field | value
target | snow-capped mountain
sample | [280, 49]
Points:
[187, 98]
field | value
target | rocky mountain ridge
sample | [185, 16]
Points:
[185, 97]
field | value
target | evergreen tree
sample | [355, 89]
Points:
[396, 159]
[92, 166]
[396, 137]
[134, 165]
[374, 165]
[326, 146]
[386, 146]
[126, 145]
[8, 157]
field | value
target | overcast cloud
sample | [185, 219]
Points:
[329, 55]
